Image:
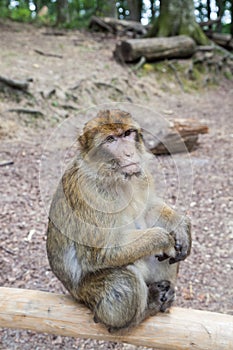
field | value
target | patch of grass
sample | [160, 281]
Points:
[186, 74]
[228, 75]
[55, 104]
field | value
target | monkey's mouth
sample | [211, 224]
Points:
[131, 169]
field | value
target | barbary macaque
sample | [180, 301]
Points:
[112, 243]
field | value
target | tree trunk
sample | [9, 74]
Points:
[62, 12]
[109, 9]
[135, 9]
[208, 9]
[152, 8]
[177, 18]
[232, 17]
[155, 48]
[220, 13]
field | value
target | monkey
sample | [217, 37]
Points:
[113, 244]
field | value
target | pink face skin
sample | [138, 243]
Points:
[124, 151]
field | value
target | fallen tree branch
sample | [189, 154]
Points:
[55, 33]
[6, 162]
[210, 22]
[26, 111]
[205, 48]
[221, 49]
[224, 40]
[16, 84]
[181, 329]
[7, 250]
[65, 106]
[107, 85]
[48, 54]
[139, 64]
[117, 26]
[78, 84]
[100, 23]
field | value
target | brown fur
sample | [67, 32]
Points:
[107, 231]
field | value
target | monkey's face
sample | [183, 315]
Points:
[112, 145]
[116, 153]
[121, 152]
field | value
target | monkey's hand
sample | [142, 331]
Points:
[183, 239]
[164, 244]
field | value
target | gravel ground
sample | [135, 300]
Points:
[206, 277]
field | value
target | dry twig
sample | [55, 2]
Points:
[26, 111]
[48, 54]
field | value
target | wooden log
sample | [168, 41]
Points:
[99, 23]
[181, 329]
[222, 39]
[155, 48]
[117, 26]
[181, 136]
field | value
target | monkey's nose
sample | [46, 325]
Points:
[128, 153]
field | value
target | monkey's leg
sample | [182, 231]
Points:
[118, 297]
[160, 296]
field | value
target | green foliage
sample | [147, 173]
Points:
[79, 12]
[173, 75]
[4, 12]
[48, 20]
[76, 23]
[21, 14]
[228, 75]
[226, 28]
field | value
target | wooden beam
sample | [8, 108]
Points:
[181, 329]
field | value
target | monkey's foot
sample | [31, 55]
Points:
[160, 296]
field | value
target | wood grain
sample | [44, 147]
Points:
[181, 329]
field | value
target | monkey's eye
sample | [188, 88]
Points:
[128, 132]
[110, 139]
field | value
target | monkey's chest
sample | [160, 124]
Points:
[135, 218]
[134, 222]
[140, 223]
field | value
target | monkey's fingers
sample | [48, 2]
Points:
[162, 257]
[178, 247]
[179, 257]
[182, 251]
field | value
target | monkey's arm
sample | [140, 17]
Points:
[100, 247]
[128, 246]
[161, 215]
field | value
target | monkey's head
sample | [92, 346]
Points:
[113, 143]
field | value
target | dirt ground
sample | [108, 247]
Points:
[83, 74]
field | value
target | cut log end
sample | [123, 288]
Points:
[173, 143]
[182, 136]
